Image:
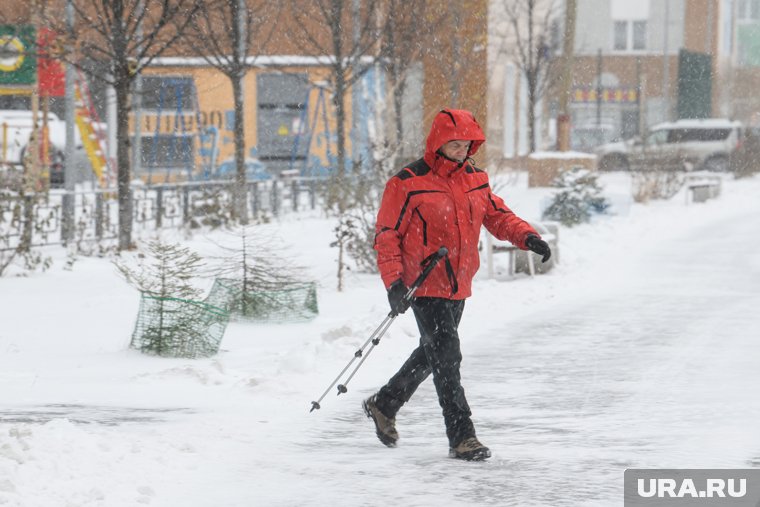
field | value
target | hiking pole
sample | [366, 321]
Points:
[433, 260]
[378, 333]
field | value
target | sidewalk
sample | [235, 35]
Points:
[656, 373]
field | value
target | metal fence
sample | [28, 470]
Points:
[38, 217]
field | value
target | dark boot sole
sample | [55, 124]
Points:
[385, 439]
[477, 455]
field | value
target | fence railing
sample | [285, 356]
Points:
[36, 219]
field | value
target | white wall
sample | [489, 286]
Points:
[593, 27]
[656, 28]
[511, 77]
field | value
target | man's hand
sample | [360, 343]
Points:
[538, 245]
[396, 293]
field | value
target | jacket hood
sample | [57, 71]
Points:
[450, 125]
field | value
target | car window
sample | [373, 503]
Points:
[686, 135]
[587, 138]
[657, 137]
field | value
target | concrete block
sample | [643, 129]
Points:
[544, 167]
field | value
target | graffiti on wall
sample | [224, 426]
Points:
[188, 122]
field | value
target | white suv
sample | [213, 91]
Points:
[680, 145]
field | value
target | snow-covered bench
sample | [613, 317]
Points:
[701, 187]
[520, 260]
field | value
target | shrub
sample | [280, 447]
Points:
[579, 197]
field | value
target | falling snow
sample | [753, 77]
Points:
[638, 350]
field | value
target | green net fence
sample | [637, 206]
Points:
[291, 302]
[173, 327]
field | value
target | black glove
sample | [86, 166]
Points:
[538, 245]
[396, 293]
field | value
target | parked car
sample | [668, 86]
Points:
[681, 145]
[255, 170]
[585, 138]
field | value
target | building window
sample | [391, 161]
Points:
[630, 36]
[747, 33]
[621, 36]
[168, 93]
[168, 151]
[748, 10]
[639, 35]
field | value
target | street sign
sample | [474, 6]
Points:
[18, 62]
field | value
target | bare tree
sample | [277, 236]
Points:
[530, 21]
[228, 34]
[123, 36]
[403, 43]
[346, 34]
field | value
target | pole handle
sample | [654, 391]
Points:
[437, 256]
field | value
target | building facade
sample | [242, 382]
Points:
[641, 63]
[183, 114]
[636, 64]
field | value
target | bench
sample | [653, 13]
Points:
[701, 187]
[512, 250]
[521, 260]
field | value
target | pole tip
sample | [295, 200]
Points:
[314, 406]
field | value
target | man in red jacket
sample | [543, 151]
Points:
[440, 200]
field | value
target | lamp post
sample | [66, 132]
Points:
[666, 64]
[67, 226]
[568, 41]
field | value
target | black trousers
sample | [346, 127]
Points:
[439, 354]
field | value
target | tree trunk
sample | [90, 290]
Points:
[122, 161]
[456, 57]
[398, 107]
[532, 76]
[397, 84]
[532, 112]
[341, 250]
[340, 112]
[239, 193]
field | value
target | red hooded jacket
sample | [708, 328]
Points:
[437, 202]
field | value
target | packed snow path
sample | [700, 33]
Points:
[656, 368]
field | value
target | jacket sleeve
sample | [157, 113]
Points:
[392, 221]
[504, 224]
